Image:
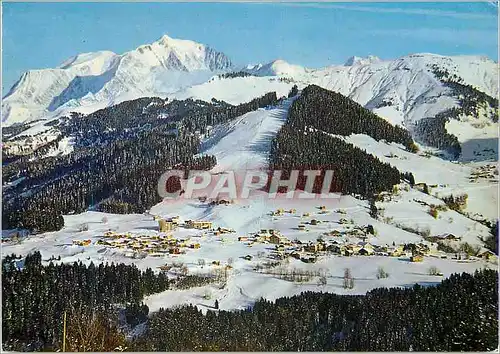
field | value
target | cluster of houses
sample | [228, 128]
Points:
[488, 171]
[159, 244]
[82, 242]
[154, 245]
[309, 251]
[171, 224]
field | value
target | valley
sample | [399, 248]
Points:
[409, 213]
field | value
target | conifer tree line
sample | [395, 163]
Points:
[235, 74]
[35, 297]
[432, 130]
[337, 114]
[460, 314]
[305, 142]
[470, 98]
[120, 153]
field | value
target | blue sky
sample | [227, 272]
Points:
[43, 35]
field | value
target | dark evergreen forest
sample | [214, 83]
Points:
[120, 153]
[459, 314]
[311, 139]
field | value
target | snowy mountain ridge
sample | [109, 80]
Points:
[402, 90]
[105, 75]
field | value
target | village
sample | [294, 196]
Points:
[344, 240]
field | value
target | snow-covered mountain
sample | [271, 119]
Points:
[354, 60]
[277, 67]
[154, 69]
[402, 90]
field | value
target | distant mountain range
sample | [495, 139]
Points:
[403, 90]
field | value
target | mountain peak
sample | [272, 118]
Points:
[354, 60]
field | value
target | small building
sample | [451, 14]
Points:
[365, 251]
[243, 238]
[417, 258]
[301, 227]
[312, 247]
[278, 239]
[200, 225]
[486, 255]
[447, 236]
[322, 208]
[174, 250]
[420, 186]
[393, 252]
[165, 225]
[315, 222]
[348, 252]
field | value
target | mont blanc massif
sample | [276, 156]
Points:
[403, 257]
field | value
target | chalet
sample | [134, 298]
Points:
[278, 239]
[366, 251]
[422, 248]
[174, 250]
[312, 247]
[335, 248]
[301, 227]
[417, 258]
[278, 212]
[280, 247]
[315, 222]
[356, 247]
[394, 252]
[486, 255]
[348, 252]
[165, 225]
[422, 187]
[447, 236]
[225, 230]
[82, 242]
[200, 225]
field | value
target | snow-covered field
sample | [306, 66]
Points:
[244, 144]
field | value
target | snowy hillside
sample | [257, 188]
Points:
[244, 143]
[105, 75]
[403, 90]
